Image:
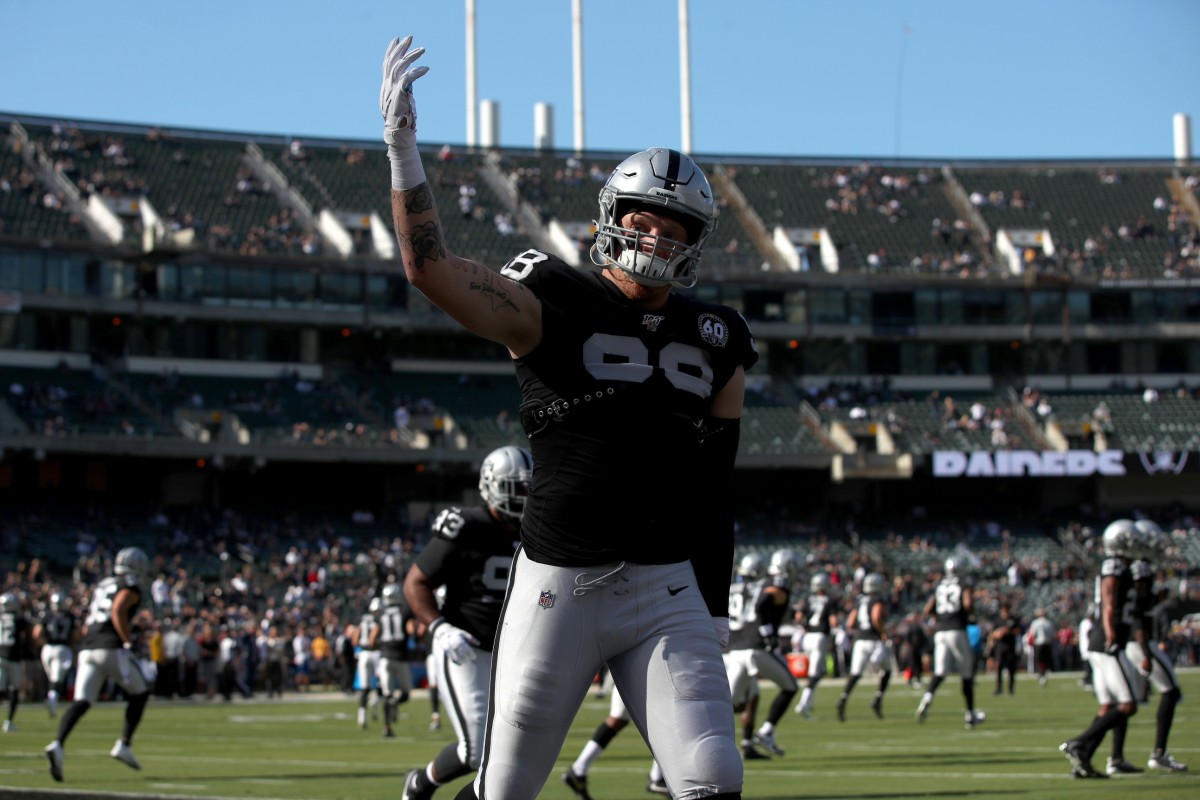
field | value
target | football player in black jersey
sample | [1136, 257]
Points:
[815, 615]
[366, 643]
[867, 623]
[632, 396]
[470, 554]
[1145, 653]
[57, 633]
[393, 671]
[15, 648]
[1113, 676]
[757, 605]
[106, 653]
[951, 606]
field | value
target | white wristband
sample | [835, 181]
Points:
[407, 171]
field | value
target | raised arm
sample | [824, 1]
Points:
[481, 300]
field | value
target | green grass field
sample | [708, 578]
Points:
[309, 748]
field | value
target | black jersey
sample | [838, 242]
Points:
[948, 606]
[864, 628]
[1142, 599]
[613, 396]
[1011, 628]
[100, 633]
[470, 554]
[1123, 602]
[393, 638]
[58, 627]
[744, 621]
[816, 612]
[14, 637]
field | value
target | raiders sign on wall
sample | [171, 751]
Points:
[1061, 463]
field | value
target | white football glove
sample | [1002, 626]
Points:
[399, 110]
[721, 628]
[454, 642]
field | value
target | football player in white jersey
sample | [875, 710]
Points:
[106, 653]
[816, 616]
[467, 562]
[1144, 651]
[15, 648]
[867, 623]
[951, 606]
[616, 371]
[1114, 677]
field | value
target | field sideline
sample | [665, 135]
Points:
[309, 748]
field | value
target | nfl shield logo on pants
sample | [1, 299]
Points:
[546, 600]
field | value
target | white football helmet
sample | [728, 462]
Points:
[133, 561]
[874, 584]
[10, 603]
[784, 564]
[1121, 539]
[504, 481]
[670, 183]
[752, 566]
[819, 582]
[392, 593]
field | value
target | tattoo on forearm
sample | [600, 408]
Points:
[499, 296]
[425, 241]
[419, 199]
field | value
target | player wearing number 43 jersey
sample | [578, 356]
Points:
[106, 653]
[470, 555]
[632, 396]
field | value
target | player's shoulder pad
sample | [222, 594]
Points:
[1113, 567]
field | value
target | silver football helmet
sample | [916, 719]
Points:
[1152, 540]
[392, 594]
[784, 564]
[956, 567]
[504, 481]
[57, 601]
[133, 561]
[874, 584]
[374, 606]
[670, 183]
[1121, 539]
[10, 603]
[819, 582]
[752, 566]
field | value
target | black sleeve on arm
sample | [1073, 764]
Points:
[712, 544]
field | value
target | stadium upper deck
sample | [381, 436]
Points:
[215, 294]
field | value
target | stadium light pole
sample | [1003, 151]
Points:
[577, 70]
[685, 79]
[472, 90]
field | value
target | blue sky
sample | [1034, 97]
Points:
[940, 79]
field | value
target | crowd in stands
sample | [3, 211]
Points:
[234, 593]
